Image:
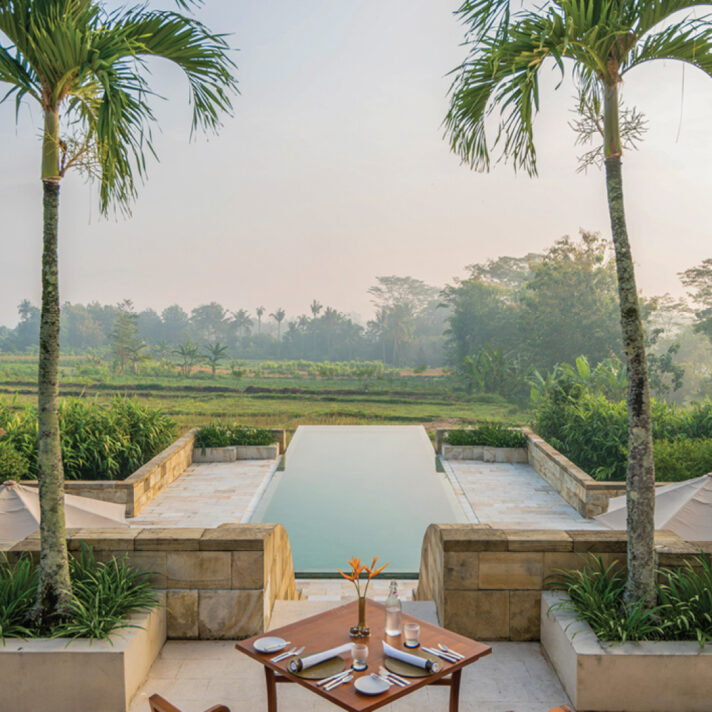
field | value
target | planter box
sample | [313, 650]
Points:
[487, 454]
[635, 677]
[236, 452]
[68, 676]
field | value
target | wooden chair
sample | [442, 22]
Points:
[158, 704]
[563, 708]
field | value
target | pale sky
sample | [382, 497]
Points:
[334, 171]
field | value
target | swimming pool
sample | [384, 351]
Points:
[360, 490]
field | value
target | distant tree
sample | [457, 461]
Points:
[698, 281]
[315, 307]
[189, 354]
[569, 304]
[259, 311]
[175, 324]
[210, 322]
[28, 329]
[126, 344]
[79, 331]
[150, 326]
[241, 320]
[214, 354]
[278, 316]
[163, 350]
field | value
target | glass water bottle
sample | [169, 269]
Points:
[394, 609]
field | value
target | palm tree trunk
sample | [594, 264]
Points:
[54, 593]
[640, 476]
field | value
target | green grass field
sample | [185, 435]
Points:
[283, 401]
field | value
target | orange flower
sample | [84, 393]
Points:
[357, 568]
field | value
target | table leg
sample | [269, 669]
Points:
[271, 691]
[454, 691]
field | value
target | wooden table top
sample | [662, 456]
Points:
[331, 628]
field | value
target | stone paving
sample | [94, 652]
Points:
[194, 675]
[343, 591]
[208, 495]
[515, 497]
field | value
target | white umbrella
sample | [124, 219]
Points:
[682, 507]
[20, 512]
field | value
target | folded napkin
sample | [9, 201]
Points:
[299, 664]
[409, 658]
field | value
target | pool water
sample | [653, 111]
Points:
[363, 490]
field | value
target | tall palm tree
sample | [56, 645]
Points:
[259, 312]
[84, 67]
[603, 41]
[214, 353]
[278, 316]
[315, 307]
[241, 320]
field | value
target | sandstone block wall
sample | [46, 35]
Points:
[137, 490]
[487, 583]
[219, 583]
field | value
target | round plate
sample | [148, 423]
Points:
[270, 644]
[322, 670]
[371, 685]
[407, 670]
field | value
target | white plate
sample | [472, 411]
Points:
[371, 685]
[269, 644]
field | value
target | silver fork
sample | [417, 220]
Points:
[450, 651]
[289, 653]
[390, 677]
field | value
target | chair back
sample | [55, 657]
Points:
[158, 704]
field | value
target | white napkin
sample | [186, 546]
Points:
[409, 658]
[312, 660]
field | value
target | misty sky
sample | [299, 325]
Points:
[334, 170]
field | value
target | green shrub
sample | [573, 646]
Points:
[105, 594]
[218, 434]
[677, 460]
[99, 442]
[592, 431]
[683, 610]
[13, 465]
[488, 434]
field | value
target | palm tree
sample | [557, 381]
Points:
[315, 307]
[214, 353]
[190, 355]
[259, 312]
[278, 316]
[604, 41]
[83, 66]
[241, 320]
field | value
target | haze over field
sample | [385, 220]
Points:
[334, 171]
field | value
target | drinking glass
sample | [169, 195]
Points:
[359, 656]
[411, 634]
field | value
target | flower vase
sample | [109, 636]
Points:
[361, 630]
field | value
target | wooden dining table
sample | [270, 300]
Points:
[331, 628]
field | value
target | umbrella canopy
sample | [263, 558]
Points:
[20, 512]
[682, 507]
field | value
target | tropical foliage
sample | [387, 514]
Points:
[580, 411]
[99, 442]
[490, 434]
[219, 434]
[105, 595]
[682, 611]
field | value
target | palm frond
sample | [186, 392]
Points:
[646, 15]
[689, 41]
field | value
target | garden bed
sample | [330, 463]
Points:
[236, 452]
[65, 675]
[650, 676]
[136, 491]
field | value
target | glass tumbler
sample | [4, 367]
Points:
[359, 656]
[411, 635]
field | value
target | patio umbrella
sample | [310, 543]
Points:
[682, 507]
[20, 512]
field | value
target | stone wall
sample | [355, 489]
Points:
[137, 490]
[487, 583]
[587, 496]
[219, 583]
